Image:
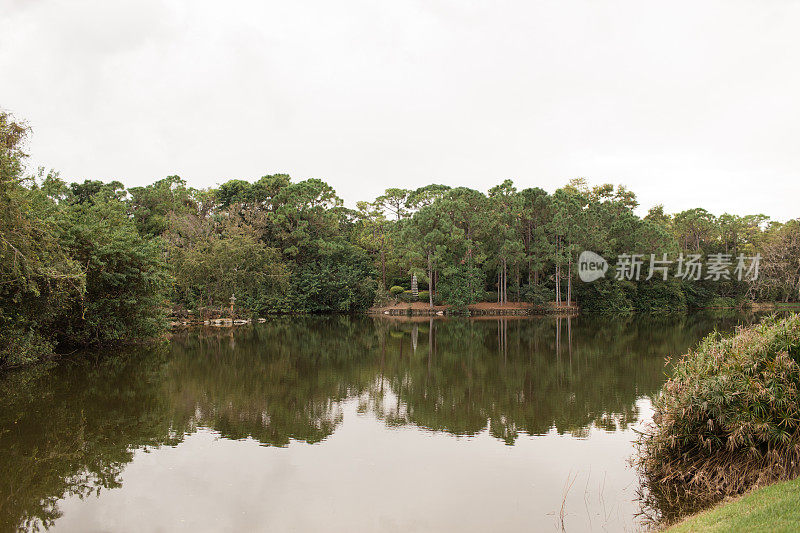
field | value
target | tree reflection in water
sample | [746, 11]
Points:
[71, 429]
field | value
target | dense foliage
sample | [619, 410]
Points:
[92, 262]
[727, 419]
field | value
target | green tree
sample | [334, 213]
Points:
[126, 275]
[394, 201]
[373, 234]
[214, 259]
[38, 278]
[694, 229]
[507, 249]
[152, 205]
[426, 239]
[779, 276]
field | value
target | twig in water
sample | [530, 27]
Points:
[567, 487]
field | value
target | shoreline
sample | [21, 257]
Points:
[475, 310]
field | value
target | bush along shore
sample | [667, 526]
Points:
[728, 420]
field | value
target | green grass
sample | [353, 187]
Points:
[772, 508]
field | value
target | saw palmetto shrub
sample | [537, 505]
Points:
[727, 420]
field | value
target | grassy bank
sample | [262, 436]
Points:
[727, 420]
[772, 508]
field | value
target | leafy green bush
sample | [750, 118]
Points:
[703, 294]
[721, 301]
[18, 347]
[538, 294]
[406, 296]
[606, 296]
[382, 297]
[336, 278]
[459, 286]
[396, 290]
[660, 297]
[400, 281]
[424, 296]
[728, 419]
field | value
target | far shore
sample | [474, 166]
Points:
[476, 311]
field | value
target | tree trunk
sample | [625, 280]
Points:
[569, 281]
[558, 284]
[435, 279]
[529, 252]
[530, 270]
[558, 273]
[502, 297]
[430, 280]
[505, 282]
[383, 268]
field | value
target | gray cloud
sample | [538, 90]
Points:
[687, 103]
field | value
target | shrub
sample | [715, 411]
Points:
[401, 281]
[424, 296]
[381, 297]
[459, 286]
[395, 290]
[337, 277]
[607, 296]
[659, 297]
[19, 347]
[406, 296]
[538, 294]
[722, 302]
[727, 420]
[697, 295]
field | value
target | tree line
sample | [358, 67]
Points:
[524, 244]
[93, 263]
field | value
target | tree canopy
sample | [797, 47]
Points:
[92, 262]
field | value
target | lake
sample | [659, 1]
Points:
[342, 424]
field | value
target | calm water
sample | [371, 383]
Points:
[341, 424]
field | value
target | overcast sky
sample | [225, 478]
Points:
[689, 104]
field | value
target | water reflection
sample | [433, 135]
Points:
[69, 431]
